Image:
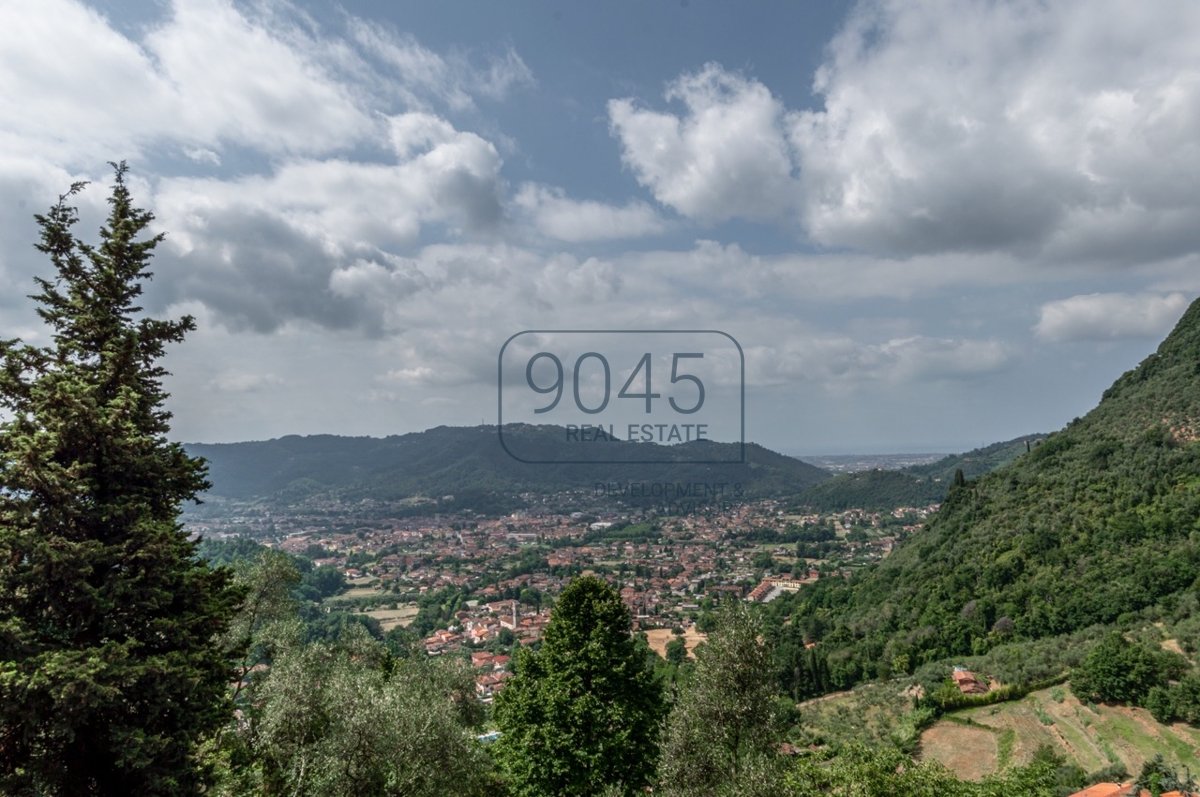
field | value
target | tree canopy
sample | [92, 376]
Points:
[582, 713]
[110, 667]
[1098, 521]
[720, 733]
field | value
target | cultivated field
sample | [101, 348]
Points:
[872, 714]
[360, 588]
[390, 618]
[659, 637]
[978, 741]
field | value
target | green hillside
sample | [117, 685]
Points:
[875, 490]
[470, 463]
[916, 485]
[977, 462]
[1100, 520]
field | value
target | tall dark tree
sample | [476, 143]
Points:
[581, 715]
[110, 669]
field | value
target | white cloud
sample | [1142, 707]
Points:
[206, 76]
[241, 382]
[557, 216]
[725, 157]
[352, 230]
[919, 358]
[202, 155]
[960, 124]
[261, 249]
[48, 109]
[502, 75]
[840, 362]
[74, 89]
[1109, 316]
[1066, 131]
[234, 78]
[419, 74]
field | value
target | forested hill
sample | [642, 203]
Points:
[977, 462]
[1101, 519]
[470, 463]
[915, 485]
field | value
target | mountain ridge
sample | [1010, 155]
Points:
[881, 489]
[449, 460]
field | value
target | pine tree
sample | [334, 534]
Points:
[581, 715]
[110, 669]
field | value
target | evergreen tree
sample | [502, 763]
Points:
[582, 713]
[110, 667]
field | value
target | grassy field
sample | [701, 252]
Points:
[978, 741]
[659, 637]
[365, 592]
[871, 714]
[360, 588]
[390, 618]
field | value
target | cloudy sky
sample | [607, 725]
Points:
[930, 225]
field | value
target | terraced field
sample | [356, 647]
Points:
[978, 741]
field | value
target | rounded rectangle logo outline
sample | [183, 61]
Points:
[741, 444]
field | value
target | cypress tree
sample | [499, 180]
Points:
[110, 669]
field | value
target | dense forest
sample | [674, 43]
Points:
[915, 485]
[470, 464]
[1099, 521]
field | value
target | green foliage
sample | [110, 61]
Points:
[1158, 777]
[1101, 520]
[887, 772]
[268, 582]
[110, 667]
[906, 733]
[1004, 747]
[470, 465]
[763, 561]
[979, 461]
[229, 551]
[434, 609]
[676, 651]
[583, 711]
[322, 582]
[1119, 671]
[916, 485]
[1176, 702]
[720, 733]
[1113, 773]
[948, 697]
[344, 719]
[873, 490]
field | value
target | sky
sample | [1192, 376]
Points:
[930, 226]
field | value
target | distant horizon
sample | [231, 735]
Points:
[914, 449]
